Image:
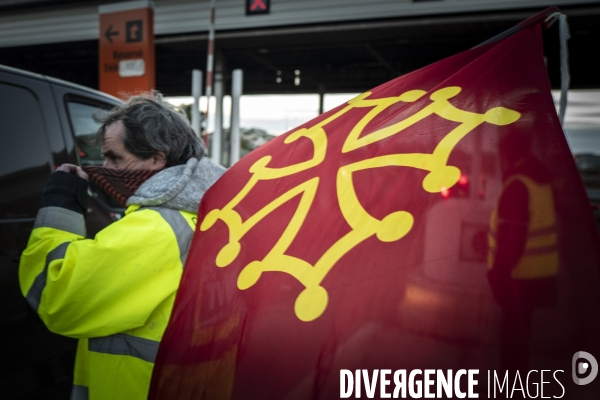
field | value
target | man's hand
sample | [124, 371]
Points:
[73, 169]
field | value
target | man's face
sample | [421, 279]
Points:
[116, 156]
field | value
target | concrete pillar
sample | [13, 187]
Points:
[236, 93]
[218, 132]
[196, 91]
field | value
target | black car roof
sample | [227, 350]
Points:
[56, 81]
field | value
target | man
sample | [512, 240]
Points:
[523, 256]
[115, 292]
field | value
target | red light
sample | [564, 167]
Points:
[257, 7]
[445, 193]
[463, 180]
[81, 153]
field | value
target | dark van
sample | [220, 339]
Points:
[44, 122]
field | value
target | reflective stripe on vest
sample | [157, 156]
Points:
[60, 218]
[540, 257]
[79, 393]
[34, 295]
[125, 345]
[181, 228]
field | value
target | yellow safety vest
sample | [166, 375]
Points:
[540, 258]
[114, 292]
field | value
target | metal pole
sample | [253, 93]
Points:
[196, 91]
[215, 151]
[565, 77]
[321, 98]
[536, 19]
[209, 66]
[236, 93]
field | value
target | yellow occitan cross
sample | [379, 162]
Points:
[312, 301]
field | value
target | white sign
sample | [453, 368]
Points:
[129, 68]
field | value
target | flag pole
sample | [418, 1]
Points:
[209, 69]
[565, 77]
[535, 19]
[547, 18]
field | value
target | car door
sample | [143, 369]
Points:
[34, 363]
[43, 124]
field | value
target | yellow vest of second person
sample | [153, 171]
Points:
[540, 258]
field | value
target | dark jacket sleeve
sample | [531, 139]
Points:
[67, 191]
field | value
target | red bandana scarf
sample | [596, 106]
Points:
[119, 184]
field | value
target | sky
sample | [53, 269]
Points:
[275, 114]
[582, 121]
[278, 114]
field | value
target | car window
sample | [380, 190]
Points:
[25, 159]
[24, 141]
[81, 116]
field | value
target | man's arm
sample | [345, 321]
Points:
[62, 215]
[513, 225]
[88, 288]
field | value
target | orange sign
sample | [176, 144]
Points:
[126, 62]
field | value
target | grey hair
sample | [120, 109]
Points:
[151, 126]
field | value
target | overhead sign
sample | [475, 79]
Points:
[254, 7]
[127, 60]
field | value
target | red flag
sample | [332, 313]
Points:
[435, 222]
